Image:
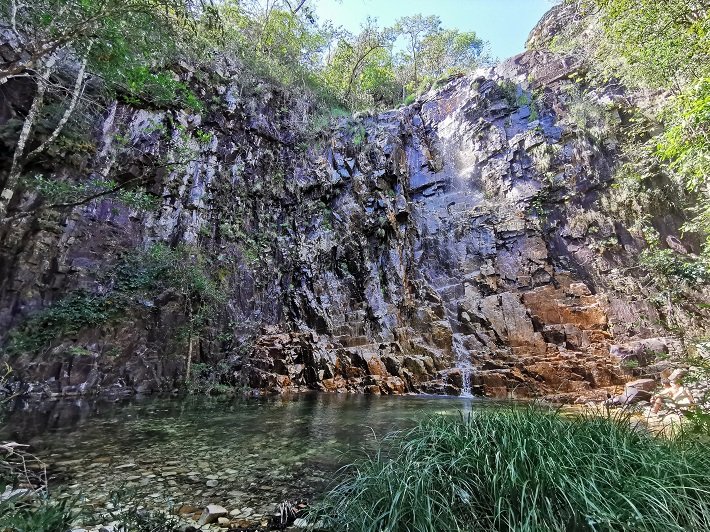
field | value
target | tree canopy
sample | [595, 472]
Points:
[81, 54]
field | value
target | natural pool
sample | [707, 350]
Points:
[247, 455]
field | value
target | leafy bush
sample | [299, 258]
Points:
[410, 99]
[685, 145]
[671, 265]
[215, 379]
[509, 92]
[524, 470]
[29, 508]
[145, 274]
[160, 268]
[75, 312]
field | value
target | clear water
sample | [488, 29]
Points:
[243, 454]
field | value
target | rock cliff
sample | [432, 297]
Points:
[463, 243]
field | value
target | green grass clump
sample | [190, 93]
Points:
[19, 514]
[523, 470]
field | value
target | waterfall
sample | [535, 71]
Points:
[463, 362]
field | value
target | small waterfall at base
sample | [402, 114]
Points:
[463, 362]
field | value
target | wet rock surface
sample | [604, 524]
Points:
[459, 244]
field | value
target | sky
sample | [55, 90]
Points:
[505, 24]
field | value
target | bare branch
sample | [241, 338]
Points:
[78, 89]
[297, 8]
[13, 17]
[140, 180]
[16, 168]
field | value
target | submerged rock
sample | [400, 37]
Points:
[211, 514]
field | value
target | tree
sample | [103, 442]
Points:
[416, 29]
[449, 51]
[432, 51]
[279, 40]
[360, 69]
[120, 42]
[117, 30]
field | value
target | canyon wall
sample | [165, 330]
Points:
[467, 242]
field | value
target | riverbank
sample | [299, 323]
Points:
[250, 461]
[182, 454]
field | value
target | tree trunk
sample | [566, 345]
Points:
[16, 169]
[76, 93]
[189, 359]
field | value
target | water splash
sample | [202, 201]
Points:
[463, 362]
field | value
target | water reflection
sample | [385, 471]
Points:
[198, 450]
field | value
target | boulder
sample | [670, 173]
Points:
[645, 385]
[630, 397]
[211, 514]
[646, 351]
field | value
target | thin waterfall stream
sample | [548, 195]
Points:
[463, 362]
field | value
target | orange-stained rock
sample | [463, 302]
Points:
[394, 385]
[283, 381]
[375, 366]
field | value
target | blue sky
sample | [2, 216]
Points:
[504, 23]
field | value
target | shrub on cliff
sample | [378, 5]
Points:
[524, 470]
[136, 280]
[665, 47]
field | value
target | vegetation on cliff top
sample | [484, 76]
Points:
[80, 55]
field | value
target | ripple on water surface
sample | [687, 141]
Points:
[245, 454]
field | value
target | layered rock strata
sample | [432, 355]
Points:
[458, 243]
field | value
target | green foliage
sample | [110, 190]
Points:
[128, 44]
[29, 508]
[651, 43]
[130, 516]
[322, 121]
[61, 192]
[526, 470]
[675, 267]
[540, 202]
[509, 90]
[104, 49]
[364, 70]
[159, 268]
[590, 117]
[446, 52]
[23, 514]
[161, 89]
[358, 133]
[662, 46]
[135, 277]
[630, 364]
[214, 379]
[276, 44]
[68, 316]
[360, 70]
[698, 415]
[685, 145]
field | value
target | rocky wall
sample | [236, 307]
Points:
[454, 245]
